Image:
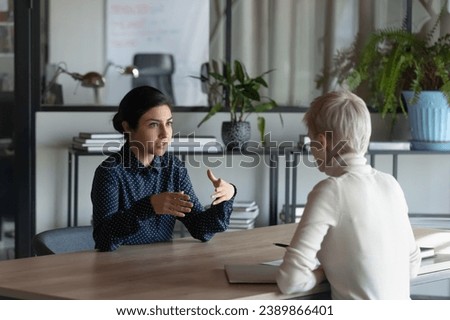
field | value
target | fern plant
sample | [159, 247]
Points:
[391, 61]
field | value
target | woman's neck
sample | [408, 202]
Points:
[144, 157]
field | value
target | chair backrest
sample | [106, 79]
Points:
[155, 69]
[63, 240]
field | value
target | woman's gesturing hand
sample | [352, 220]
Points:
[174, 203]
[223, 190]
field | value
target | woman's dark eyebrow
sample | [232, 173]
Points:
[158, 120]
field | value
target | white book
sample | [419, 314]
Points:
[436, 263]
[241, 221]
[244, 205]
[85, 141]
[427, 252]
[389, 145]
[238, 208]
[101, 135]
[241, 226]
[243, 215]
[97, 148]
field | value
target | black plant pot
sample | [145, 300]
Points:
[235, 134]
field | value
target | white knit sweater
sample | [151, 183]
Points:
[354, 232]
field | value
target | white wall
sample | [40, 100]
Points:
[79, 44]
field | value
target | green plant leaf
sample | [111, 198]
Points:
[234, 90]
[239, 71]
[261, 128]
[264, 107]
[217, 107]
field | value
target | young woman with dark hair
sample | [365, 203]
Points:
[140, 192]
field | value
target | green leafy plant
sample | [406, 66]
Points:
[231, 88]
[391, 61]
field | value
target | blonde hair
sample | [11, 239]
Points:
[345, 115]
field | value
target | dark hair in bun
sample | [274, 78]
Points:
[137, 102]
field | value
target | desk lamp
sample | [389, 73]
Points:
[91, 79]
[128, 70]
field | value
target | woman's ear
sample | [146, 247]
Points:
[125, 126]
[318, 142]
[322, 139]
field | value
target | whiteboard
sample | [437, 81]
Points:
[178, 27]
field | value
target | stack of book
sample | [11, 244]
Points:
[195, 143]
[243, 216]
[98, 141]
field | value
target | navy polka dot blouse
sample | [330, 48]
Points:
[122, 211]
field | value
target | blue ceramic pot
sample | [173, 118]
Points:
[429, 119]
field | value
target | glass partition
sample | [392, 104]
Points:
[295, 39]
[99, 49]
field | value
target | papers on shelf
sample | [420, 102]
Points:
[110, 148]
[435, 263]
[438, 239]
[243, 215]
[244, 206]
[426, 252]
[389, 145]
[101, 135]
[98, 142]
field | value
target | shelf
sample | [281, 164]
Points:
[109, 108]
[292, 178]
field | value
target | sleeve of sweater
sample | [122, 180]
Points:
[204, 224]
[414, 257]
[300, 270]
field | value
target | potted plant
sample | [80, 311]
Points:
[231, 88]
[399, 71]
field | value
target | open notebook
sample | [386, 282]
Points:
[251, 273]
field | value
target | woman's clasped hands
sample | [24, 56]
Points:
[178, 203]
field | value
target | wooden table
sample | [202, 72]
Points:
[183, 269]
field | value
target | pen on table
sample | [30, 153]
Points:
[283, 245]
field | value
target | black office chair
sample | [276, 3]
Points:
[63, 240]
[156, 70]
